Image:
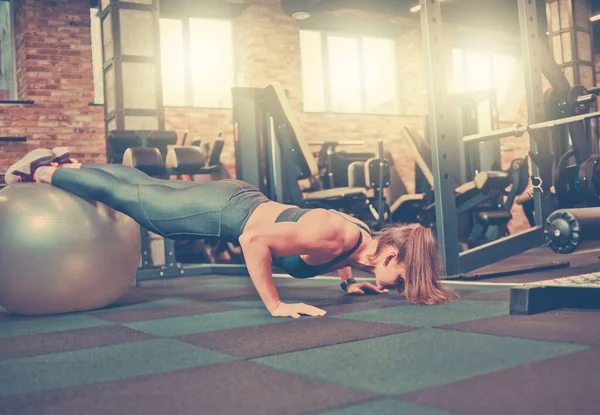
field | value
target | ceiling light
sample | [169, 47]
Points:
[415, 9]
[301, 15]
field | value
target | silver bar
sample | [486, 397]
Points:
[341, 143]
[518, 130]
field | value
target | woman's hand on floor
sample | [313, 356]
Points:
[296, 310]
[363, 288]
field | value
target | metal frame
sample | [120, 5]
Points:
[575, 62]
[14, 91]
[112, 11]
[442, 134]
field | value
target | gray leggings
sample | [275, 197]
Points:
[174, 209]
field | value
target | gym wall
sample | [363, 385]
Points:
[54, 70]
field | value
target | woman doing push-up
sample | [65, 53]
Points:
[303, 242]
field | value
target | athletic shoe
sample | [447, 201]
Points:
[62, 156]
[24, 169]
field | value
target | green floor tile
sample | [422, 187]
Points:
[386, 406]
[478, 288]
[414, 360]
[49, 324]
[431, 316]
[246, 304]
[156, 303]
[82, 367]
[178, 326]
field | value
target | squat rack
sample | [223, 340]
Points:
[443, 136]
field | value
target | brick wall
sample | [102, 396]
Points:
[54, 62]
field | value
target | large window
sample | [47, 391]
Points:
[348, 74]
[480, 71]
[196, 62]
[7, 74]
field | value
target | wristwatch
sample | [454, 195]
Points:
[346, 283]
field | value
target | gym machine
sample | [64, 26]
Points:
[482, 204]
[443, 134]
[273, 155]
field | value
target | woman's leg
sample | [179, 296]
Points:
[133, 176]
[193, 211]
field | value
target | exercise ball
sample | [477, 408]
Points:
[60, 253]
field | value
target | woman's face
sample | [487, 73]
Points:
[388, 272]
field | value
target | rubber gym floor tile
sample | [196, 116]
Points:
[384, 406]
[199, 280]
[352, 304]
[154, 303]
[49, 324]
[291, 335]
[225, 389]
[563, 385]
[179, 326]
[154, 313]
[305, 291]
[81, 367]
[221, 294]
[37, 344]
[429, 316]
[466, 289]
[414, 360]
[241, 303]
[208, 287]
[134, 295]
[333, 305]
[568, 326]
[503, 295]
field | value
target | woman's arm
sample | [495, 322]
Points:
[360, 287]
[285, 239]
[345, 273]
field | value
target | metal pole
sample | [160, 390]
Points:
[443, 136]
[530, 49]
[380, 189]
[518, 130]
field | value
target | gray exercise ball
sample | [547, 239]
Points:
[60, 253]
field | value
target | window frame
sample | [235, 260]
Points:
[490, 57]
[13, 51]
[187, 71]
[325, 63]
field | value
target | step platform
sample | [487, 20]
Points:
[579, 291]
